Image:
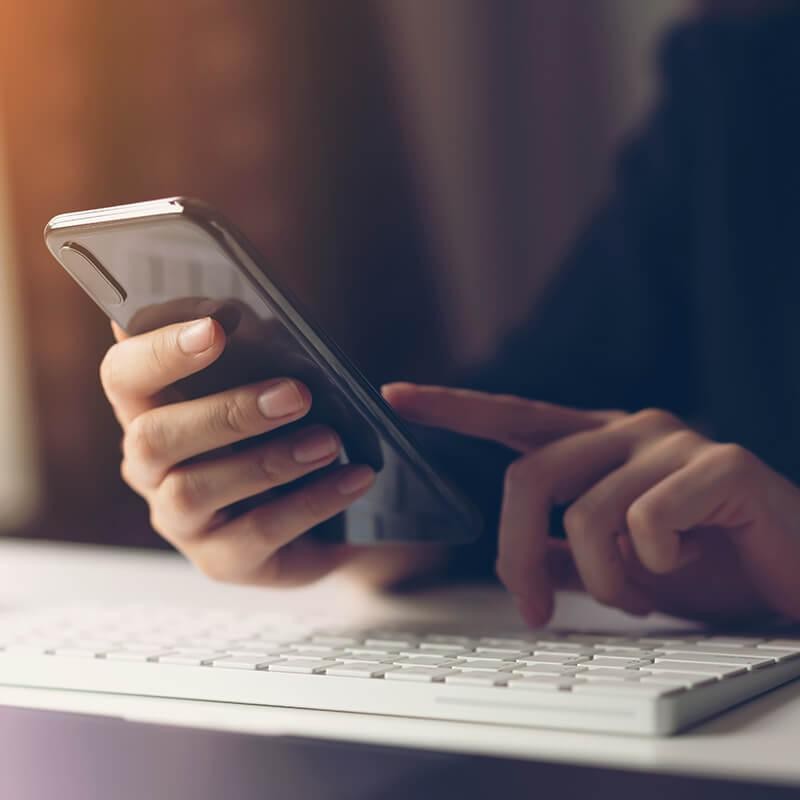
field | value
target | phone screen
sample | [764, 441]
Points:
[172, 267]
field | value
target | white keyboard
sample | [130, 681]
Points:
[582, 681]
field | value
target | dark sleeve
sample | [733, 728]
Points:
[614, 329]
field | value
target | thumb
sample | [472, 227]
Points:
[513, 421]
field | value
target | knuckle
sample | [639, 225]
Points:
[144, 440]
[156, 522]
[160, 344]
[682, 440]
[182, 492]
[578, 519]
[654, 419]
[234, 415]
[518, 473]
[657, 544]
[268, 471]
[733, 459]
[127, 474]
[312, 505]
[642, 517]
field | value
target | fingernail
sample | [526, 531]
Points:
[315, 446]
[196, 337]
[280, 400]
[355, 480]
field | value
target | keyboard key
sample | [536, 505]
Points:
[499, 652]
[360, 670]
[425, 661]
[477, 679]
[445, 652]
[631, 650]
[482, 666]
[554, 646]
[585, 652]
[550, 658]
[551, 645]
[778, 655]
[301, 666]
[418, 674]
[659, 641]
[136, 647]
[442, 647]
[467, 657]
[780, 644]
[243, 662]
[373, 651]
[321, 650]
[264, 653]
[615, 662]
[687, 679]
[139, 655]
[538, 683]
[714, 650]
[315, 651]
[350, 659]
[726, 661]
[544, 669]
[693, 667]
[605, 673]
[510, 643]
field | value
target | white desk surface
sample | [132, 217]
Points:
[758, 740]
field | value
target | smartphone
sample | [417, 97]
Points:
[160, 262]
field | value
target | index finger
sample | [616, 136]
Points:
[513, 421]
[136, 369]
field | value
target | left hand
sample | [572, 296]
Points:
[659, 516]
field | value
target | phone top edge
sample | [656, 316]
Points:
[120, 213]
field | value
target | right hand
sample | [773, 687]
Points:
[177, 456]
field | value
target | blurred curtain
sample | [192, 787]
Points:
[514, 109]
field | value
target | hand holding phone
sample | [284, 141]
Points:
[244, 426]
[178, 456]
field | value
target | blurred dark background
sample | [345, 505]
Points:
[413, 169]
